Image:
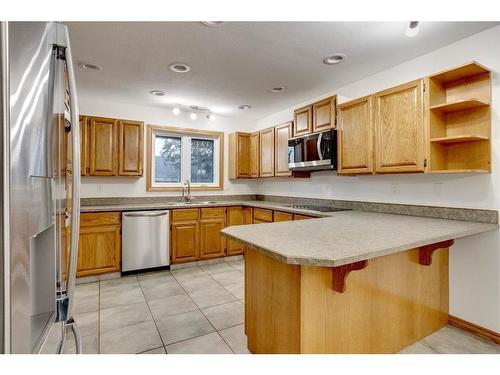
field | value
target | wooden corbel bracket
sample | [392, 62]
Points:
[425, 252]
[339, 274]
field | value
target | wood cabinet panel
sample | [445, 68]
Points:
[302, 217]
[213, 213]
[262, 214]
[282, 216]
[324, 114]
[355, 138]
[212, 244]
[239, 165]
[255, 155]
[184, 214]
[399, 129]
[185, 241]
[302, 121]
[267, 152]
[130, 147]
[99, 248]
[282, 134]
[234, 216]
[103, 146]
[247, 215]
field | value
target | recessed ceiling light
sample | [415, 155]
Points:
[176, 111]
[244, 106]
[412, 29]
[90, 66]
[193, 115]
[211, 23]
[179, 67]
[157, 92]
[211, 117]
[334, 59]
[278, 89]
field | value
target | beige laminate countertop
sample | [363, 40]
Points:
[349, 236]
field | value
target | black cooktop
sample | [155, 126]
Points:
[317, 208]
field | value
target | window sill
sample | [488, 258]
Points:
[179, 188]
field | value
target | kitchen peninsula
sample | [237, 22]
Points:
[364, 283]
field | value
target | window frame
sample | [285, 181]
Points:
[185, 134]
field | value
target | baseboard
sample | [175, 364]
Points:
[474, 328]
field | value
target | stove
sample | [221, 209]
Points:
[317, 208]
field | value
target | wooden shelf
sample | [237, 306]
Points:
[461, 171]
[459, 105]
[462, 138]
[467, 70]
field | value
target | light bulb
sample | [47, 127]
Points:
[211, 117]
[193, 116]
[176, 111]
[412, 29]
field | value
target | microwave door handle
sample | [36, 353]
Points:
[318, 146]
[75, 201]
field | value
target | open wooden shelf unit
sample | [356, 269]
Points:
[460, 120]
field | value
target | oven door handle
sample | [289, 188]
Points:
[318, 146]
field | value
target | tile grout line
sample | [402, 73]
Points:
[201, 311]
[152, 315]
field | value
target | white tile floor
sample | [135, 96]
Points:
[198, 309]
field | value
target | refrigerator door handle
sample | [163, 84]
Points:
[75, 201]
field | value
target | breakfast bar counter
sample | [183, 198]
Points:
[354, 282]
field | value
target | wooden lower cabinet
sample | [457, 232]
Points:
[185, 240]
[234, 216]
[282, 216]
[302, 217]
[99, 249]
[212, 245]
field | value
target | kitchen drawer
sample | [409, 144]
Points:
[282, 216]
[88, 219]
[213, 213]
[185, 214]
[302, 217]
[261, 214]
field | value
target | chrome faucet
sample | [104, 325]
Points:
[186, 198]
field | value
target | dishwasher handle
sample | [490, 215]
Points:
[145, 214]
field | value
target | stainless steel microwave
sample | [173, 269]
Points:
[313, 152]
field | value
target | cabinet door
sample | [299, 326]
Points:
[324, 114]
[247, 215]
[355, 136]
[185, 241]
[211, 242]
[84, 168]
[267, 152]
[130, 147]
[103, 146]
[254, 155]
[302, 217]
[98, 250]
[234, 216]
[239, 155]
[399, 129]
[282, 216]
[282, 133]
[302, 121]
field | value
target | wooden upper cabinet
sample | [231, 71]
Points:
[267, 152]
[239, 165]
[130, 147]
[355, 136]
[282, 134]
[255, 155]
[399, 129]
[84, 147]
[103, 146]
[302, 121]
[324, 114]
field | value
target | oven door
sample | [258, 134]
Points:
[312, 152]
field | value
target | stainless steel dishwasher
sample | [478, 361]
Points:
[145, 240]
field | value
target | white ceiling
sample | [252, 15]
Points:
[237, 62]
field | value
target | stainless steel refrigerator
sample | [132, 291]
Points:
[40, 179]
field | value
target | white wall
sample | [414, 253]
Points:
[474, 262]
[136, 187]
